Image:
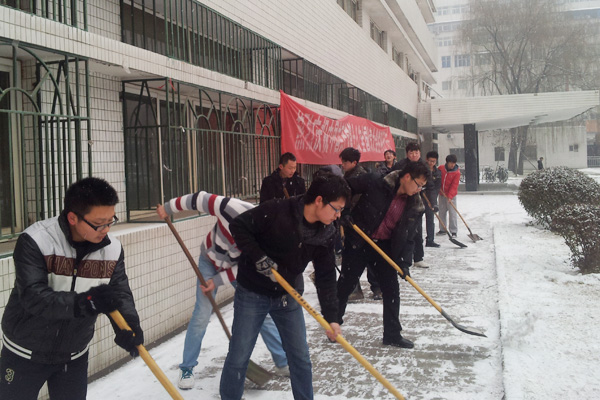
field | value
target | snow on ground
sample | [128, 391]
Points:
[539, 314]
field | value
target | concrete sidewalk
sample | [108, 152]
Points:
[445, 360]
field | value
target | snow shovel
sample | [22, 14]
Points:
[340, 339]
[255, 372]
[470, 331]
[160, 375]
[474, 237]
[456, 242]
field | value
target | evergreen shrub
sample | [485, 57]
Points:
[544, 191]
[579, 225]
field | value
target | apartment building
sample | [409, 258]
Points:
[164, 98]
[560, 143]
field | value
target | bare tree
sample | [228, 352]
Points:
[527, 46]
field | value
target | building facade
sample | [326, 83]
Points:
[167, 98]
[456, 78]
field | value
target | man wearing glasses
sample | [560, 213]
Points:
[68, 270]
[284, 235]
[388, 211]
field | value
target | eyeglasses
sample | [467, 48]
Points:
[337, 210]
[420, 187]
[99, 227]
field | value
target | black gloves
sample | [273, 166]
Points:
[405, 271]
[98, 300]
[264, 265]
[436, 208]
[130, 339]
[347, 220]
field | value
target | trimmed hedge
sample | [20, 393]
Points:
[580, 226]
[544, 191]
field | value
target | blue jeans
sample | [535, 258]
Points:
[250, 310]
[201, 316]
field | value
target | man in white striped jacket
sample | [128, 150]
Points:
[218, 264]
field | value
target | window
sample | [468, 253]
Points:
[7, 136]
[460, 154]
[574, 148]
[446, 61]
[398, 57]
[447, 85]
[351, 8]
[377, 35]
[498, 153]
[445, 41]
[462, 60]
[463, 84]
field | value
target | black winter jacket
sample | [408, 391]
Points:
[272, 186]
[274, 229]
[39, 319]
[377, 195]
[432, 188]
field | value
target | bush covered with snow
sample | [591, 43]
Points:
[544, 191]
[580, 226]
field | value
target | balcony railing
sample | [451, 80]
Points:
[189, 31]
[69, 12]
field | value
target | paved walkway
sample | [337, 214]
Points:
[445, 363]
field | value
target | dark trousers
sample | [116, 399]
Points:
[372, 278]
[429, 224]
[353, 265]
[419, 252]
[22, 379]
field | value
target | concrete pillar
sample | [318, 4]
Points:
[471, 158]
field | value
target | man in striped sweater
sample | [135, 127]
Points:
[218, 264]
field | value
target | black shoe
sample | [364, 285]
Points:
[402, 342]
[431, 244]
[440, 233]
[454, 235]
[377, 294]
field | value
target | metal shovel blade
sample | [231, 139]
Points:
[456, 242]
[470, 331]
[474, 237]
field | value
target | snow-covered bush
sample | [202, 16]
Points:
[580, 226]
[544, 191]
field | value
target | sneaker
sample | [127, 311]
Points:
[454, 235]
[356, 294]
[186, 378]
[431, 244]
[282, 371]
[421, 264]
[402, 342]
[441, 233]
[377, 294]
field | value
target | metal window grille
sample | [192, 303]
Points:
[191, 32]
[44, 125]
[180, 139]
[73, 13]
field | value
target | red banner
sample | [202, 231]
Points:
[316, 139]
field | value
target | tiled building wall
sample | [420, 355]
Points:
[160, 276]
[108, 149]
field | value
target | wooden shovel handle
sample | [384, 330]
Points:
[160, 375]
[339, 338]
[199, 275]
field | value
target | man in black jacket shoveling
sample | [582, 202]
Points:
[68, 270]
[285, 235]
[388, 212]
